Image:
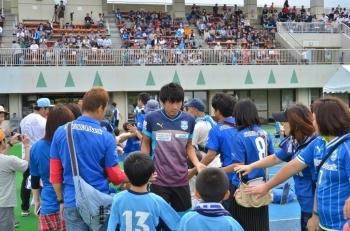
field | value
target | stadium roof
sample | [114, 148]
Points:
[340, 81]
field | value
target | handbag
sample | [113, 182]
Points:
[92, 205]
[250, 201]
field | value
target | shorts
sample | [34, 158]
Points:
[52, 221]
[178, 197]
[7, 218]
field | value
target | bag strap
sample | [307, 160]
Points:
[73, 157]
[330, 153]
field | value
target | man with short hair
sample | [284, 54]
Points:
[61, 9]
[80, 104]
[100, 21]
[33, 126]
[115, 115]
[167, 137]
[95, 152]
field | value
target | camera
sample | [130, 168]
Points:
[19, 137]
[71, 14]
[56, 6]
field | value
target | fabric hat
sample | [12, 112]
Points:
[2, 110]
[196, 103]
[152, 105]
[2, 135]
[280, 116]
[44, 102]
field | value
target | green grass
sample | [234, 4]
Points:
[30, 223]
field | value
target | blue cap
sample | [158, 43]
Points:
[196, 103]
[152, 105]
[44, 102]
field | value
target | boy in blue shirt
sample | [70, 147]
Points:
[212, 187]
[136, 208]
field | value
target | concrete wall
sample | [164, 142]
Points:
[325, 40]
[49, 79]
[345, 41]
[274, 104]
[45, 9]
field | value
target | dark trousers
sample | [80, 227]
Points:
[226, 203]
[25, 193]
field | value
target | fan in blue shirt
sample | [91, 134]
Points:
[331, 120]
[136, 208]
[212, 186]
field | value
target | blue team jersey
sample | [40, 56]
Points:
[140, 118]
[333, 187]
[40, 167]
[140, 211]
[304, 181]
[169, 139]
[219, 140]
[132, 144]
[194, 221]
[249, 147]
[95, 150]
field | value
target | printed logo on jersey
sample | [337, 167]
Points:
[160, 125]
[318, 149]
[144, 124]
[184, 125]
[163, 136]
[181, 136]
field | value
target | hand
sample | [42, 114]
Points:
[153, 177]
[313, 223]
[259, 190]
[25, 140]
[191, 173]
[246, 169]
[121, 140]
[346, 209]
[131, 128]
[37, 205]
[14, 139]
[201, 167]
[61, 210]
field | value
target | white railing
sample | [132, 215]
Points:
[287, 36]
[107, 26]
[153, 57]
[346, 29]
[312, 27]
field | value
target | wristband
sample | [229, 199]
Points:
[26, 147]
[9, 143]
[314, 212]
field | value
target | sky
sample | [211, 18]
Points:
[278, 3]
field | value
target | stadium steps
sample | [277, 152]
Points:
[198, 37]
[113, 31]
[8, 30]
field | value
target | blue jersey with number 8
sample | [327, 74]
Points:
[249, 146]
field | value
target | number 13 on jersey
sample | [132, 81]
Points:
[141, 219]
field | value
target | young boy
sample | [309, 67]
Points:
[167, 137]
[212, 188]
[136, 208]
[132, 144]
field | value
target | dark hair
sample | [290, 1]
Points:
[172, 92]
[332, 116]
[125, 125]
[114, 104]
[116, 131]
[94, 99]
[138, 167]
[300, 121]
[134, 105]
[189, 162]
[212, 184]
[224, 103]
[80, 99]
[144, 97]
[36, 108]
[58, 116]
[75, 109]
[246, 114]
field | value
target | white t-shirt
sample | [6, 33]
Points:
[116, 110]
[33, 125]
[304, 54]
[200, 137]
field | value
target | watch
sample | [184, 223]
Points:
[9, 143]
[60, 201]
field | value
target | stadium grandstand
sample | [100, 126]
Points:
[274, 53]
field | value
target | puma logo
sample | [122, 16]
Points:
[319, 150]
[160, 125]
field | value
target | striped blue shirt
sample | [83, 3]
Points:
[333, 187]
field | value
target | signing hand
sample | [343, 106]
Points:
[131, 128]
[246, 169]
[200, 167]
[313, 223]
[259, 190]
[25, 140]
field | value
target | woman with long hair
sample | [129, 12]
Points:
[297, 121]
[249, 146]
[49, 216]
[329, 155]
